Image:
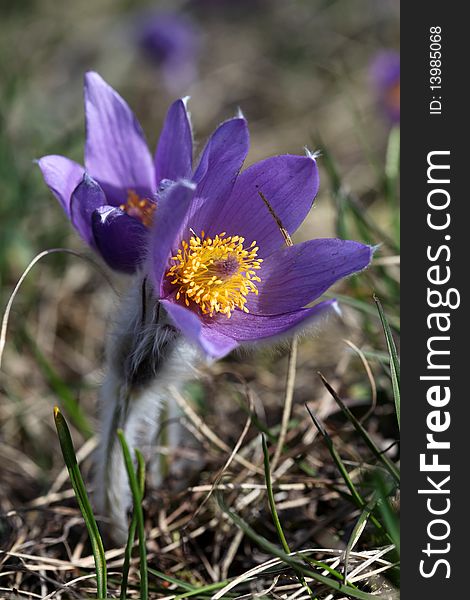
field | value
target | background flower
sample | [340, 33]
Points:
[385, 77]
[172, 41]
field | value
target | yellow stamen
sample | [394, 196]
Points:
[216, 273]
[140, 208]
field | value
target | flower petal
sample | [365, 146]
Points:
[121, 239]
[217, 337]
[213, 343]
[292, 277]
[220, 163]
[385, 70]
[169, 220]
[174, 155]
[243, 327]
[62, 176]
[86, 198]
[289, 183]
[116, 153]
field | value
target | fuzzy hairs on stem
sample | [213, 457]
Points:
[145, 357]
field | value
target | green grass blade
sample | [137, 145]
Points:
[382, 357]
[188, 587]
[380, 456]
[205, 589]
[347, 205]
[137, 499]
[272, 503]
[70, 459]
[368, 226]
[389, 517]
[190, 590]
[132, 528]
[323, 566]
[356, 534]
[357, 499]
[275, 516]
[392, 174]
[392, 159]
[291, 561]
[394, 360]
[392, 350]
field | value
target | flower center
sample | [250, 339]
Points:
[216, 273]
[139, 208]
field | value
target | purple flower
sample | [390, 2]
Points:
[385, 76]
[112, 200]
[236, 6]
[172, 41]
[219, 262]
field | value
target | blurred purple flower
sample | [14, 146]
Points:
[219, 262]
[112, 199]
[172, 41]
[385, 77]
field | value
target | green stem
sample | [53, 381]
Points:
[137, 498]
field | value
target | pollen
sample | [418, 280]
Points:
[139, 208]
[215, 274]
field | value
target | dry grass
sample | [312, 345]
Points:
[45, 544]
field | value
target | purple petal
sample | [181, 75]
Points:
[385, 69]
[219, 336]
[292, 277]
[174, 155]
[219, 165]
[385, 76]
[243, 327]
[289, 183]
[121, 240]
[86, 198]
[116, 153]
[62, 176]
[169, 220]
[213, 343]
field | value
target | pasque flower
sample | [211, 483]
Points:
[385, 76]
[113, 198]
[172, 41]
[212, 245]
[211, 241]
[220, 265]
